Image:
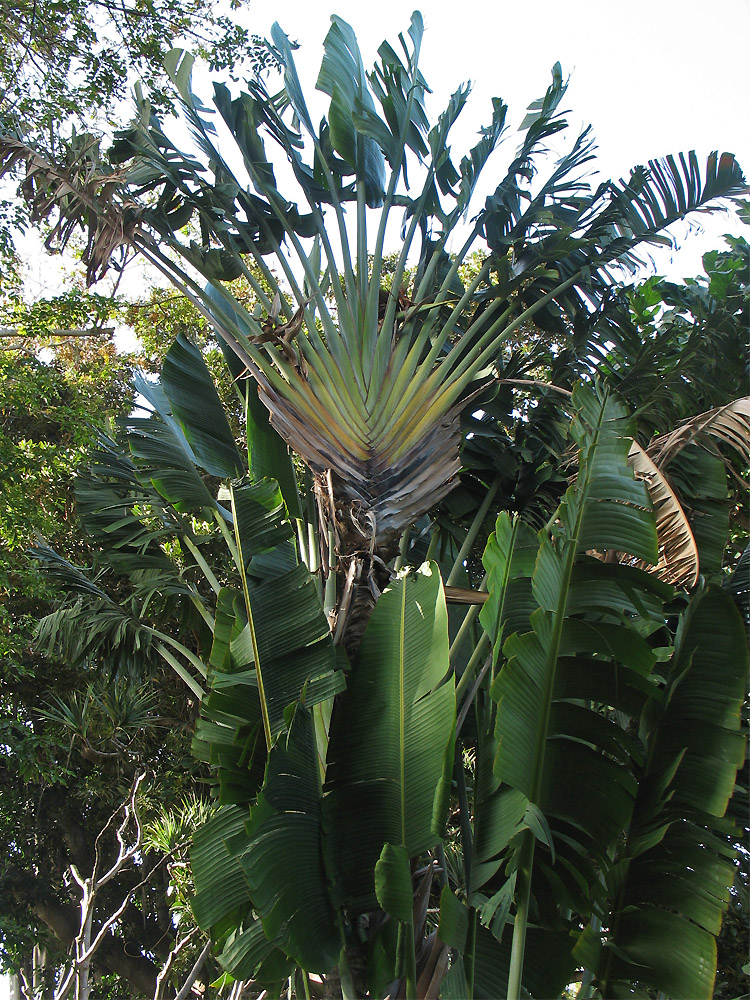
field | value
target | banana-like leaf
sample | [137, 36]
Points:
[738, 585]
[678, 552]
[248, 954]
[605, 504]
[342, 76]
[106, 495]
[562, 767]
[169, 468]
[291, 80]
[220, 888]
[393, 882]
[195, 403]
[503, 208]
[229, 732]
[390, 737]
[295, 650]
[262, 663]
[672, 882]
[292, 900]
[263, 527]
[509, 563]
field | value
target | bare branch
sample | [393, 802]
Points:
[167, 967]
[200, 962]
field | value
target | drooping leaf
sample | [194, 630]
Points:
[342, 76]
[728, 424]
[389, 737]
[671, 888]
[393, 882]
[195, 403]
[454, 920]
[292, 900]
[544, 745]
[165, 463]
[219, 886]
[678, 552]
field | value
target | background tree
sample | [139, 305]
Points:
[77, 61]
[72, 66]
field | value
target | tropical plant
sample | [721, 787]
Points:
[587, 743]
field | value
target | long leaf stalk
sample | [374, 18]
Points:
[329, 602]
[180, 648]
[313, 549]
[345, 306]
[474, 660]
[301, 529]
[468, 621]
[247, 352]
[474, 528]
[449, 391]
[523, 897]
[349, 280]
[383, 346]
[363, 276]
[371, 311]
[444, 289]
[410, 959]
[203, 611]
[402, 371]
[434, 542]
[464, 816]
[228, 538]
[464, 711]
[258, 289]
[251, 626]
[198, 556]
[348, 989]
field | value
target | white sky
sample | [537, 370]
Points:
[652, 76]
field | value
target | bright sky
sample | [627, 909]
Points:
[652, 76]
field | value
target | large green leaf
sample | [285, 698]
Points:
[563, 768]
[222, 900]
[170, 469]
[342, 76]
[295, 649]
[196, 404]
[264, 529]
[390, 735]
[262, 662]
[292, 899]
[509, 563]
[219, 886]
[672, 881]
[605, 509]
[229, 732]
